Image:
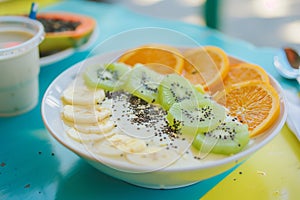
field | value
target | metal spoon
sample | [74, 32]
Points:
[292, 57]
[287, 63]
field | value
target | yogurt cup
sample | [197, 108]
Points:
[19, 64]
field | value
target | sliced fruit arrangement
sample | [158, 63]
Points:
[181, 102]
[86, 120]
[94, 125]
[189, 112]
[90, 122]
[64, 30]
[250, 97]
[210, 70]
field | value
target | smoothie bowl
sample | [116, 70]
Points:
[153, 127]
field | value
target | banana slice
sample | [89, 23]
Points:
[128, 144]
[82, 95]
[83, 137]
[104, 126]
[99, 128]
[84, 114]
[157, 160]
[106, 148]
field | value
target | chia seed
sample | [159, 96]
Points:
[58, 25]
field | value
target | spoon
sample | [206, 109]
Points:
[292, 57]
[287, 63]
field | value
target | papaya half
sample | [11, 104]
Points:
[64, 30]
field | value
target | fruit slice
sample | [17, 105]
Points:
[127, 144]
[106, 148]
[206, 66]
[193, 117]
[143, 83]
[175, 89]
[83, 137]
[85, 114]
[155, 159]
[256, 104]
[56, 41]
[82, 95]
[162, 58]
[103, 127]
[242, 72]
[228, 138]
[110, 77]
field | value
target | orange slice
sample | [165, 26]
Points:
[206, 66]
[162, 58]
[255, 103]
[245, 72]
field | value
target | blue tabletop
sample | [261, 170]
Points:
[35, 166]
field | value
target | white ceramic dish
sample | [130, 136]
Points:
[170, 177]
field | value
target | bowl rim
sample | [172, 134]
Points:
[120, 165]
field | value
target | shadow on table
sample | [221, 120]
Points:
[89, 183]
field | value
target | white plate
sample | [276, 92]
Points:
[170, 177]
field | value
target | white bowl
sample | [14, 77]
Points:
[169, 177]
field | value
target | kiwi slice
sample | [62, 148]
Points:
[109, 77]
[143, 83]
[175, 89]
[228, 138]
[196, 116]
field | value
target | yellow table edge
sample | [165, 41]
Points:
[13, 7]
[271, 173]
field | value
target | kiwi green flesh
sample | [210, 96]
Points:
[228, 138]
[175, 89]
[196, 116]
[109, 77]
[143, 83]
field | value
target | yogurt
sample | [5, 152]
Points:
[19, 64]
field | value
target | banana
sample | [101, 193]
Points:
[128, 144]
[106, 148]
[100, 128]
[83, 137]
[82, 95]
[154, 160]
[89, 115]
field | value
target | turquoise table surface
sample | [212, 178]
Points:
[34, 166]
